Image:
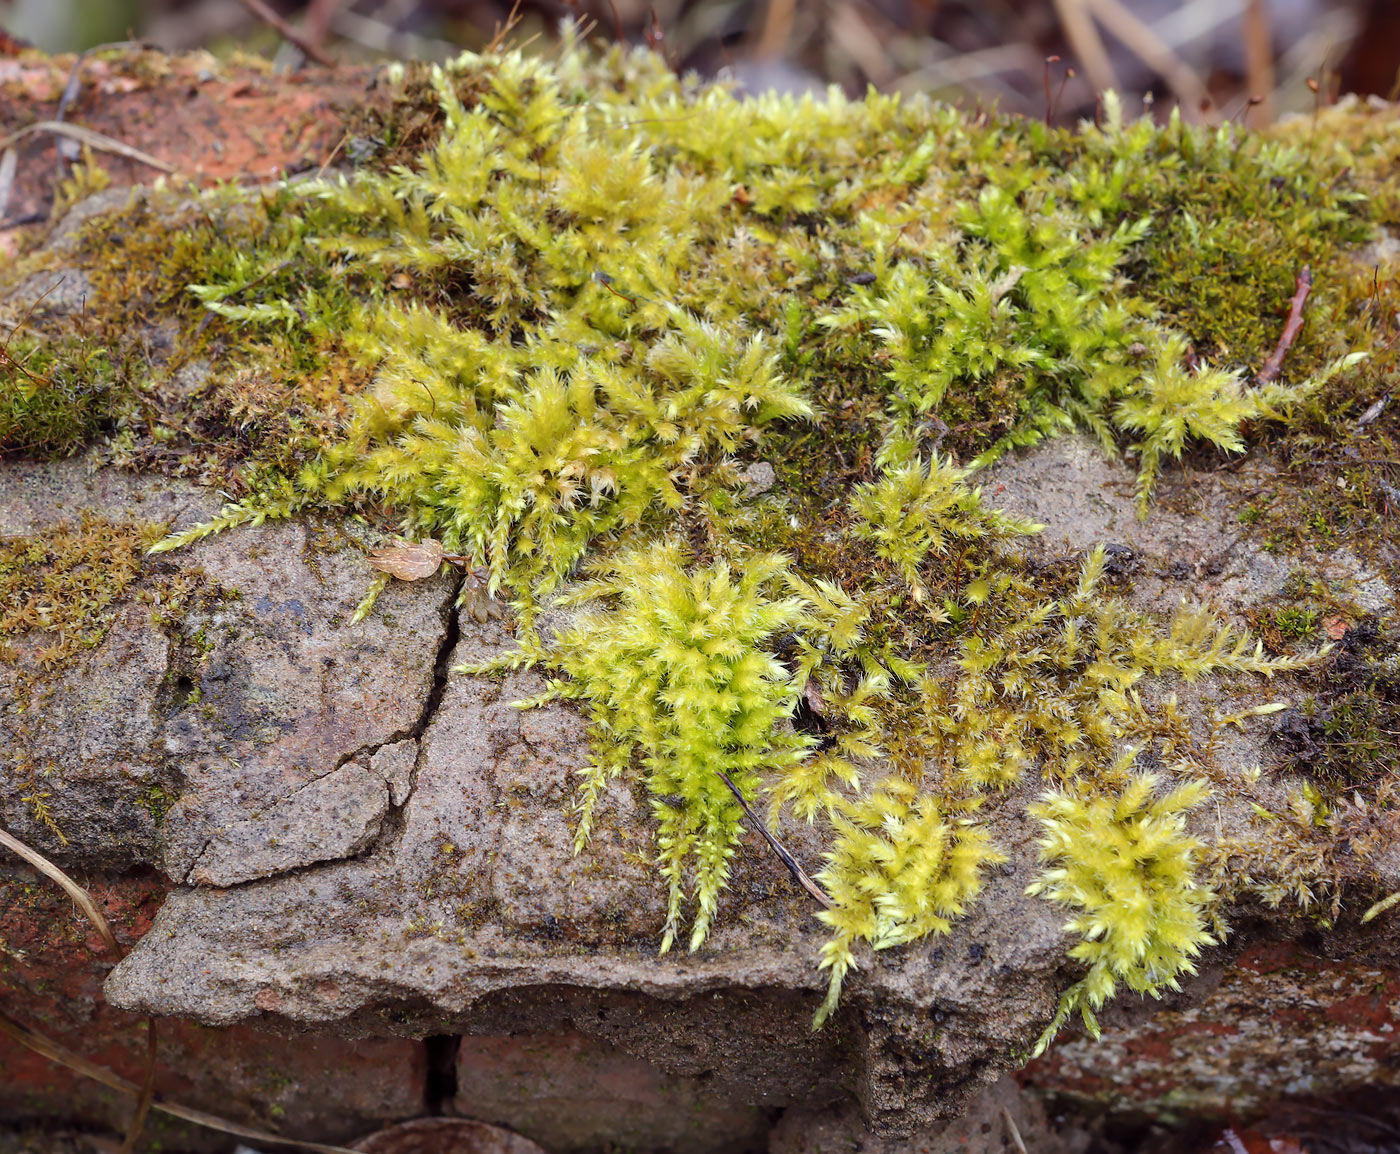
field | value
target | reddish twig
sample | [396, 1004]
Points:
[317, 21]
[148, 1091]
[1271, 368]
[259, 9]
[1049, 101]
[617, 23]
[6, 360]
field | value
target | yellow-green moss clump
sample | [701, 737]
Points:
[54, 398]
[1127, 866]
[598, 293]
[60, 588]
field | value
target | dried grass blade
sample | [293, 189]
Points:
[93, 139]
[76, 1062]
[8, 162]
[73, 889]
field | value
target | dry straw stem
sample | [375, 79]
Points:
[1077, 20]
[1015, 1131]
[79, 895]
[93, 139]
[145, 1093]
[1084, 38]
[66, 1057]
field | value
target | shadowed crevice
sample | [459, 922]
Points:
[440, 1083]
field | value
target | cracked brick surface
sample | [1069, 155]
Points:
[229, 685]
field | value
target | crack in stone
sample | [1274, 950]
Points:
[432, 702]
[188, 877]
[451, 633]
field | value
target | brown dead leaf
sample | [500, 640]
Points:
[409, 561]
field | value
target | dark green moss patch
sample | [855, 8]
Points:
[1347, 734]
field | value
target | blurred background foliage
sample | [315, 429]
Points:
[1247, 60]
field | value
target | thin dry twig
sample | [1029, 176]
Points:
[1274, 364]
[80, 896]
[1015, 1130]
[850, 24]
[1141, 40]
[1078, 25]
[56, 1052]
[776, 29]
[147, 1096]
[317, 21]
[1259, 59]
[288, 33]
[798, 873]
[93, 139]
[6, 360]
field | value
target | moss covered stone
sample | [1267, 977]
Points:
[565, 324]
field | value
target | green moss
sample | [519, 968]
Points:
[1127, 867]
[60, 589]
[157, 802]
[1296, 621]
[898, 871]
[590, 295]
[55, 396]
[1236, 217]
[1344, 736]
[677, 675]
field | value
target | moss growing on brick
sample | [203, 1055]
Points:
[591, 298]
